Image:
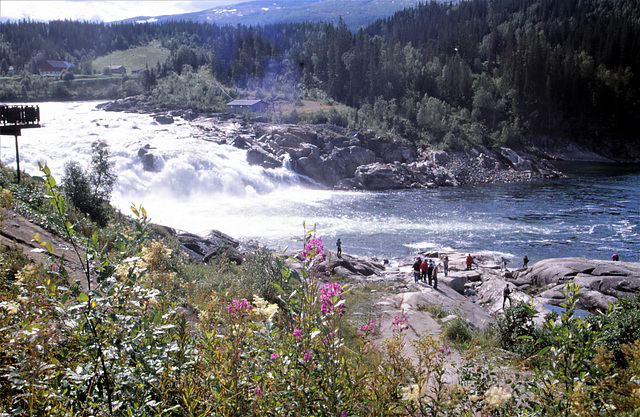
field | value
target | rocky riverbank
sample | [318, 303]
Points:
[335, 157]
[477, 292]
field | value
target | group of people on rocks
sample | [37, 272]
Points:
[426, 270]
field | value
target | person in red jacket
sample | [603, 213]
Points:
[469, 262]
[423, 268]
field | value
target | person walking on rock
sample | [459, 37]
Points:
[506, 295]
[445, 265]
[469, 262]
[416, 269]
[503, 264]
[434, 276]
[424, 266]
[339, 247]
[525, 261]
[430, 271]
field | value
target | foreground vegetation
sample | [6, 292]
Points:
[143, 332]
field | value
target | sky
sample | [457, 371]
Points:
[105, 11]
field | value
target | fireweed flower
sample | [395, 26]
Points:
[445, 351]
[239, 308]
[400, 323]
[312, 248]
[297, 334]
[367, 329]
[330, 296]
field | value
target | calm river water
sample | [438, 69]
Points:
[200, 186]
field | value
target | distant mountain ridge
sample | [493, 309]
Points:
[355, 13]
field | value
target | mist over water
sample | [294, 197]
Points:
[200, 185]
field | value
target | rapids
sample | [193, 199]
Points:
[201, 185]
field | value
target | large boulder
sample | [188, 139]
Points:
[351, 267]
[257, 156]
[214, 244]
[601, 282]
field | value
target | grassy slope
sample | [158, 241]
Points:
[139, 57]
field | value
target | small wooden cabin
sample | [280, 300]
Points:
[241, 106]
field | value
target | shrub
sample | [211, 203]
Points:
[516, 322]
[90, 192]
[457, 331]
[620, 326]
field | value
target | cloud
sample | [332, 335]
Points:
[106, 11]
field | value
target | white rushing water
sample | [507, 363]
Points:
[200, 185]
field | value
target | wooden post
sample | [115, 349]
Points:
[17, 158]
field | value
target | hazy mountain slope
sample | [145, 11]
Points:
[355, 13]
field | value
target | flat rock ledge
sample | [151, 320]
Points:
[476, 295]
[601, 282]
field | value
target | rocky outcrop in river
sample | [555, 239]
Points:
[338, 158]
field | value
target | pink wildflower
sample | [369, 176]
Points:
[297, 334]
[306, 355]
[446, 351]
[367, 329]
[258, 392]
[312, 248]
[330, 296]
[274, 356]
[400, 323]
[239, 308]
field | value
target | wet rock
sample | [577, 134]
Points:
[214, 244]
[257, 156]
[164, 120]
[148, 160]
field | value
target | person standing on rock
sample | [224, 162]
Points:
[434, 276]
[506, 295]
[525, 261]
[469, 262]
[424, 266]
[339, 247]
[615, 257]
[416, 269]
[503, 264]
[430, 271]
[445, 265]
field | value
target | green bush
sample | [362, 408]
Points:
[260, 272]
[457, 331]
[516, 322]
[90, 192]
[620, 326]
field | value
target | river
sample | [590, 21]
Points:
[201, 186]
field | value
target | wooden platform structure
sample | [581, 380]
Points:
[15, 118]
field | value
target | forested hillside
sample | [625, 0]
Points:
[475, 72]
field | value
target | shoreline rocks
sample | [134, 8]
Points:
[335, 157]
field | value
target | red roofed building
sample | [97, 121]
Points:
[54, 67]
